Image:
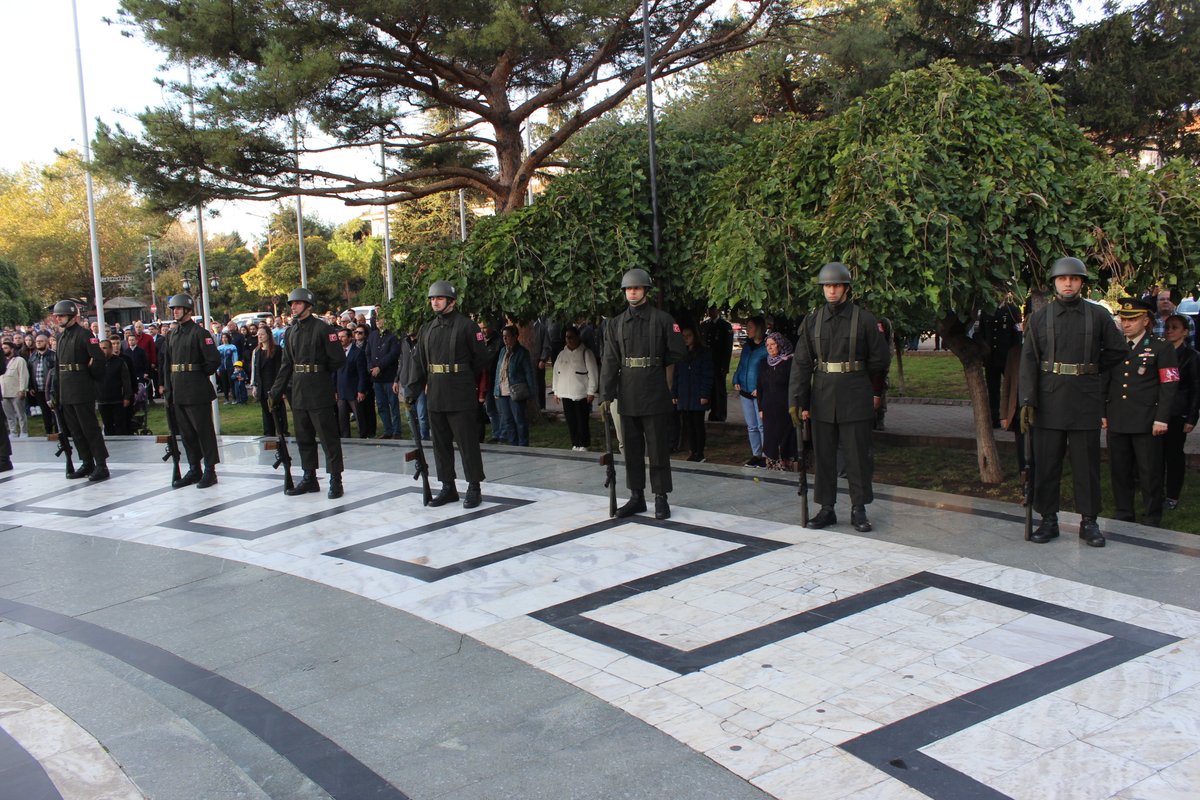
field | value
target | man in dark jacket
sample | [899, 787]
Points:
[116, 388]
[76, 387]
[448, 357]
[1068, 345]
[312, 356]
[639, 344]
[190, 359]
[837, 380]
[352, 384]
[383, 362]
[1138, 395]
[43, 363]
[716, 334]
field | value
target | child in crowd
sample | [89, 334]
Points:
[240, 381]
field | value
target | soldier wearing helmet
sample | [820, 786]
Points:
[76, 387]
[1068, 344]
[639, 344]
[312, 355]
[837, 379]
[447, 360]
[189, 360]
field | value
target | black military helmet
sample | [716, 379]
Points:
[65, 307]
[181, 301]
[833, 272]
[636, 277]
[303, 295]
[443, 289]
[1068, 266]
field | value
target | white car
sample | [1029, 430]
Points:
[251, 316]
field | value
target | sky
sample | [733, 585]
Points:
[41, 90]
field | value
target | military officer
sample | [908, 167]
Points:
[1068, 344]
[80, 367]
[837, 380]
[190, 358]
[448, 358]
[311, 357]
[639, 344]
[1138, 393]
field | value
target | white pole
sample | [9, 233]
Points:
[462, 214]
[299, 211]
[203, 280]
[87, 176]
[150, 266]
[387, 224]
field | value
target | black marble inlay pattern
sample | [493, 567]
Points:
[337, 772]
[21, 776]
[188, 521]
[31, 506]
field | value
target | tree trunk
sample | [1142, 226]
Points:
[971, 354]
[899, 346]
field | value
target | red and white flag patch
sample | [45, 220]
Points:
[675, 327]
[479, 336]
[1168, 375]
[94, 340]
[208, 341]
[333, 337]
[881, 330]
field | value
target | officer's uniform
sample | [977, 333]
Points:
[839, 368]
[1138, 392]
[80, 368]
[448, 358]
[1067, 347]
[312, 355]
[191, 358]
[639, 344]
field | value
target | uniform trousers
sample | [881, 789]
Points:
[648, 432]
[199, 436]
[311, 423]
[855, 441]
[84, 431]
[5, 444]
[1174, 459]
[456, 427]
[1049, 448]
[1136, 458]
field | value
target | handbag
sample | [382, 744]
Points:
[519, 392]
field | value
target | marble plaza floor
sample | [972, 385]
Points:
[233, 642]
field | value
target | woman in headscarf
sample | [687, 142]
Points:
[779, 436]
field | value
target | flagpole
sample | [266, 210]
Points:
[97, 286]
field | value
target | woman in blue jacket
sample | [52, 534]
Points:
[745, 383]
[514, 370]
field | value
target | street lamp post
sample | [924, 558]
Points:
[150, 269]
[214, 283]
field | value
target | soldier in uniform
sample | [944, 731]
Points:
[837, 379]
[190, 358]
[639, 344]
[1068, 344]
[717, 335]
[448, 358]
[80, 368]
[1138, 394]
[312, 355]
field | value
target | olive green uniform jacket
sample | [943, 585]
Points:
[312, 355]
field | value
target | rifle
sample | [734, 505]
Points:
[282, 454]
[417, 454]
[804, 433]
[1027, 479]
[172, 444]
[609, 459]
[64, 439]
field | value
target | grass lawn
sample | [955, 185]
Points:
[937, 375]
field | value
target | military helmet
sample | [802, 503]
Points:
[1068, 266]
[181, 301]
[443, 289]
[636, 277]
[302, 295]
[833, 272]
[66, 308]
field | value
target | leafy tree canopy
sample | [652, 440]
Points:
[16, 306]
[365, 69]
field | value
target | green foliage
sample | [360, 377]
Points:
[16, 306]
[278, 272]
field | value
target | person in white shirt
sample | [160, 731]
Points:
[14, 383]
[576, 376]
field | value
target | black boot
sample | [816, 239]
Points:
[82, 471]
[6, 465]
[858, 518]
[187, 478]
[661, 509]
[824, 518]
[335, 487]
[308, 483]
[100, 473]
[635, 505]
[1047, 530]
[447, 494]
[1089, 531]
[209, 478]
[474, 496]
